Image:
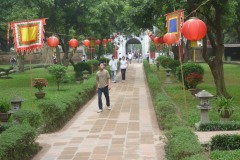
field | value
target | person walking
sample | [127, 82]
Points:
[103, 86]
[123, 67]
[13, 61]
[113, 68]
[130, 57]
[147, 56]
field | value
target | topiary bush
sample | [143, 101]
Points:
[165, 62]
[58, 72]
[189, 68]
[160, 58]
[80, 67]
[104, 60]
[93, 62]
[225, 142]
[173, 65]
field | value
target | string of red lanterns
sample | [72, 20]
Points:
[193, 30]
[73, 43]
[52, 41]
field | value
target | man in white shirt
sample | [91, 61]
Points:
[113, 68]
[130, 57]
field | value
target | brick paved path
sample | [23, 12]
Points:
[128, 132]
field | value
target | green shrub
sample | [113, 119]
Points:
[225, 142]
[160, 58]
[30, 116]
[93, 62]
[18, 143]
[5, 106]
[80, 67]
[4, 126]
[59, 73]
[182, 143]
[219, 126]
[225, 155]
[165, 62]
[173, 65]
[196, 157]
[187, 69]
[104, 60]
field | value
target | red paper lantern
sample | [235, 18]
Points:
[97, 42]
[156, 40]
[109, 40]
[169, 38]
[160, 40]
[194, 29]
[86, 43]
[104, 40]
[73, 43]
[52, 41]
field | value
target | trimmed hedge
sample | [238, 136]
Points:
[225, 155]
[32, 117]
[195, 157]
[225, 142]
[58, 111]
[182, 143]
[219, 126]
[18, 143]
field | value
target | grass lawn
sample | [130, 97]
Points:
[174, 90]
[20, 85]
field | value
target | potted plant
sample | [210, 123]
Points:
[4, 108]
[40, 83]
[225, 107]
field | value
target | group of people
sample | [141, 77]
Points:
[104, 80]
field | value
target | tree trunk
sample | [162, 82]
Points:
[20, 62]
[216, 66]
[58, 56]
[187, 52]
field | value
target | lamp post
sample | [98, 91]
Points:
[204, 105]
[16, 103]
[168, 74]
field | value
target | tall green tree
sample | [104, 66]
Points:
[218, 15]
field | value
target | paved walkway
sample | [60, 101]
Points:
[128, 132]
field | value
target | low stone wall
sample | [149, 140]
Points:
[36, 58]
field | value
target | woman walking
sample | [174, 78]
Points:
[123, 67]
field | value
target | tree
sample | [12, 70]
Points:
[218, 16]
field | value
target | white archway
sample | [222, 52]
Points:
[122, 42]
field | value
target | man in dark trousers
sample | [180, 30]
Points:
[103, 86]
